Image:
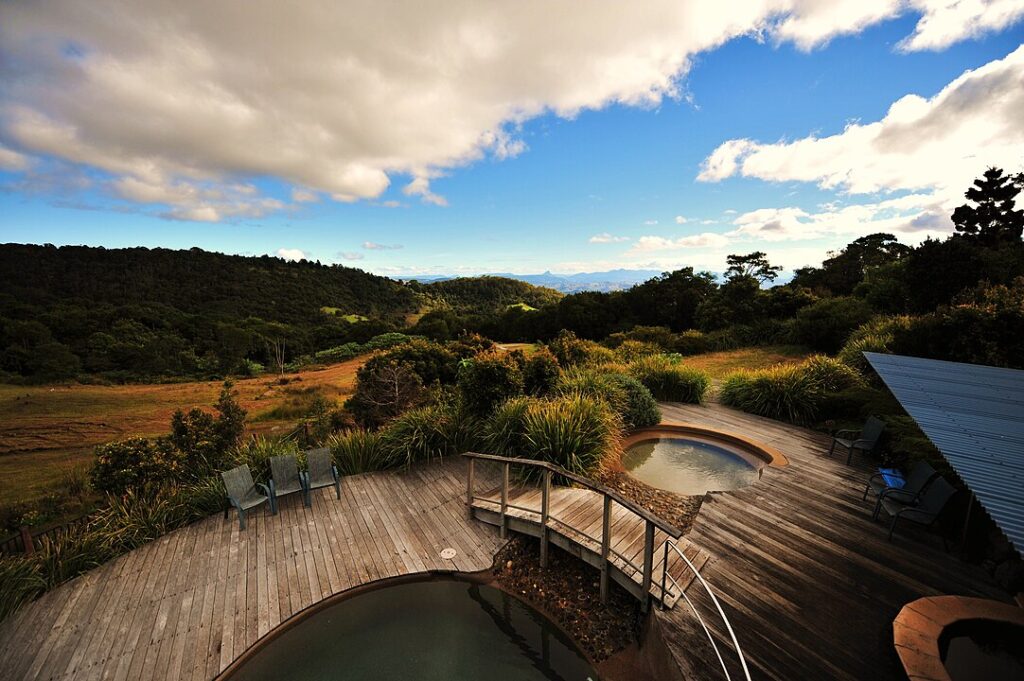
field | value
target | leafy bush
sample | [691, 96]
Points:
[788, 393]
[431, 361]
[575, 432]
[256, 453]
[360, 451]
[630, 399]
[631, 350]
[826, 324]
[134, 464]
[572, 351]
[693, 342]
[671, 381]
[384, 389]
[540, 373]
[489, 379]
[205, 439]
[386, 340]
[876, 335]
[831, 374]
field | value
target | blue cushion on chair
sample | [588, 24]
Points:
[893, 477]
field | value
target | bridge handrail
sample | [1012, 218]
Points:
[663, 525]
[714, 599]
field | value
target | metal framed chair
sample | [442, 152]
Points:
[864, 440]
[322, 473]
[920, 476]
[924, 510]
[284, 478]
[243, 493]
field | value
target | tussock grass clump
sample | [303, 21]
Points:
[788, 393]
[256, 453]
[504, 430]
[430, 433]
[575, 432]
[20, 582]
[830, 373]
[671, 381]
[875, 336]
[359, 451]
[630, 399]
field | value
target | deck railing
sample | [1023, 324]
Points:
[27, 542]
[609, 496]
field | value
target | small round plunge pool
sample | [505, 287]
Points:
[692, 461]
[433, 629]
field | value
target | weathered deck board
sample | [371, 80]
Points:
[188, 604]
[578, 515]
[807, 579]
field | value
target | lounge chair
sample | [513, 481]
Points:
[863, 440]
[913, 485]
[243, 493]
[322, 473]
[284, 478]
[924, 510]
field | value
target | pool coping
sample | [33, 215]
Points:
[918, 627]
[769, 455]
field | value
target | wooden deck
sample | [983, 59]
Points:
[188, 604]
[807, 579]
[575, 521]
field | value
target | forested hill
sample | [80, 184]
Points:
[197, 282]
[485, 295]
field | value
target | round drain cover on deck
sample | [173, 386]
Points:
[448, 553]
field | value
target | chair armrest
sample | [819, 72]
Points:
[890, 492]
[848, 431]
[875, 475]
[304, 479]
[866, 445]
[334, 469]
[232, 502]
[267, 491]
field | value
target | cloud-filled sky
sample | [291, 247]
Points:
[458, 137]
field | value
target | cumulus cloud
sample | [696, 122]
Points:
[680, 220]
[351, 255]
[373, 246]
[292, 254]
[303, 195]
[660, 243]
[606, 238]
[12, 160]
[929, 150]
[203, 95]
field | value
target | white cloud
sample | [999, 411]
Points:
[292, 254]
[12, 160]
[660, 243]
[351, 255]
[650, 223]
[606, 238]
[203, 96]
[373, 246]
[680, 220]
[300, 195]
[929, 150]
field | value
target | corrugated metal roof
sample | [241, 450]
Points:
[974, 414]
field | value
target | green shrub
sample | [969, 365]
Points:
[360, 451]
[631, 350]
[134, 464]
[671, 381]
[205, 439]
[575, 432]
[488, 380]
[426, 433]
[627, 396]
[787, 393]
[386, 340]
[693, 342]
[384, 389]
[505, 429]
[831, 374]
[572, 351]
[876, 335]
[20, 582]
[540, 373]
[431, 361]
[826, 324]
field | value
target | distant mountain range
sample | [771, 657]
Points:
[612, 280]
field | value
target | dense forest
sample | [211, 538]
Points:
[136, 314]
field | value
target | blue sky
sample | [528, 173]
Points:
[586, 190]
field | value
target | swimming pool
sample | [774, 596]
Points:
[688, 466]
[437, 629]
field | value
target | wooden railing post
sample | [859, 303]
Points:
[504, 500]
[606, 543]
[26, 540]
[664, 574]
[469, 483]
[544, 497]
[645, 588]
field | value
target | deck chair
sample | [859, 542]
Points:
[863, 440]
[916, 482]
[284, 478]
[322, 473]
[924, 510]
[243, 493]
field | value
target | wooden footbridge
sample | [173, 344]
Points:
[641, 552]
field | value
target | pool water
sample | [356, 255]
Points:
[980, 649]
[687, 466]
[431, 630]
